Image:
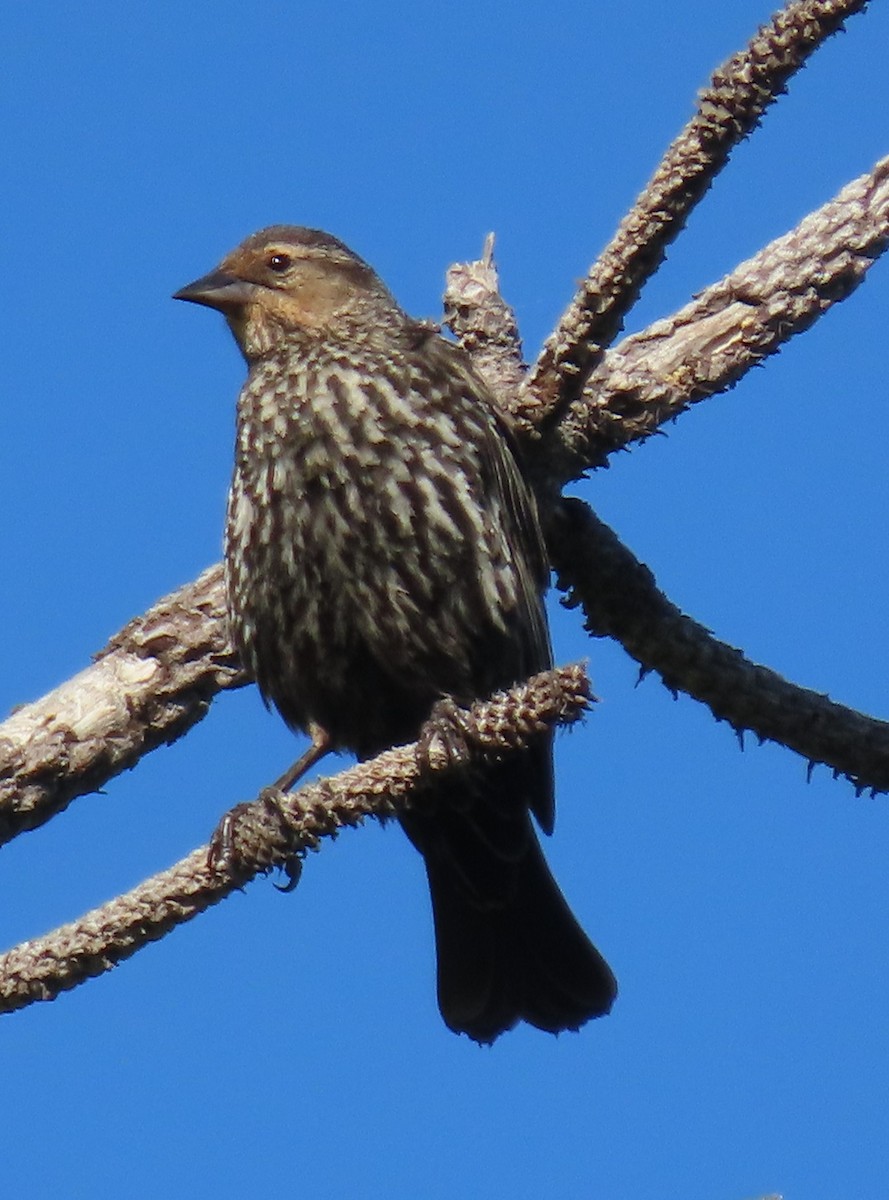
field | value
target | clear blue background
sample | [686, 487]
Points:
[291, 1045]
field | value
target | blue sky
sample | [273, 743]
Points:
[291, 1045]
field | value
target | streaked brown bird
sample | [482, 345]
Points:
[383, 554]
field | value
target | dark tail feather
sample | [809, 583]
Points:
[509, 948]
[526, 961]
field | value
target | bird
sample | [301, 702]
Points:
[384, 557]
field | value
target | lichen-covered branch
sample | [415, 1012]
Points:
[271, 831]
[707, 346]
[728, 109]
[150, 684]
[620, 599]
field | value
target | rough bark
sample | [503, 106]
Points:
[271, 831]
[145, 689]
[728, 110]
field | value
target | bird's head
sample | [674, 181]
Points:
[287, 279]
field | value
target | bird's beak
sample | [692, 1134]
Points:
[217, 290]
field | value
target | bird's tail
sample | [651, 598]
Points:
[509, 948]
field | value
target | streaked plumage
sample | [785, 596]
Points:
[383, 552]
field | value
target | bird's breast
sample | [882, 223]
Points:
[362, 549]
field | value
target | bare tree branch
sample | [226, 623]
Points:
[707, 346]
[738, 95]
[150, 684]
[620, 599]
[270, 831]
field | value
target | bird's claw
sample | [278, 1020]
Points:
[221, 855]
[445, 732]
[226, 855]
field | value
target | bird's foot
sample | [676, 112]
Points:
[249, 833]
[444, 732]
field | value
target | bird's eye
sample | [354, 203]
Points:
[279, 261]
